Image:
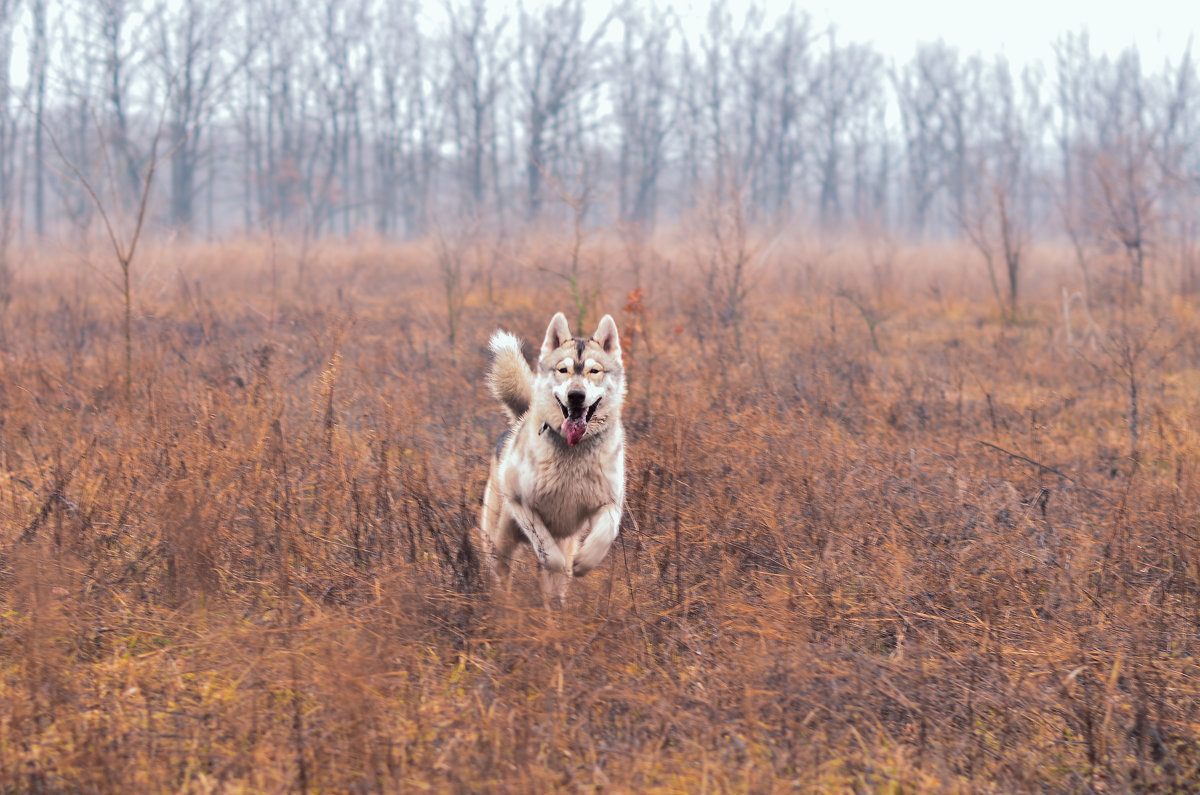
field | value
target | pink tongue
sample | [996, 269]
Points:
[574, 428]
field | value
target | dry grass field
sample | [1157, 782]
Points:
[876, 539]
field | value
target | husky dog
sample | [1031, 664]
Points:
[557, 478]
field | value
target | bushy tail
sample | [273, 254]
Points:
[510, 380]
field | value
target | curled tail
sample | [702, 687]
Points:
[510, 380]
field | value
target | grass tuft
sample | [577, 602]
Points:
[877, 539]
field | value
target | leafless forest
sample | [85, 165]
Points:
[912, 348]
[352, 116]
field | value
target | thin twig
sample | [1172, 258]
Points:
[1040, 465]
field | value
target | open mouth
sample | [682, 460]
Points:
[576, 419]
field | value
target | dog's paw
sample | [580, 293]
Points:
[596, 545]
[554, 562]
[586, 560]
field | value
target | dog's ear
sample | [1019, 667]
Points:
[557, 333]
[606, 335]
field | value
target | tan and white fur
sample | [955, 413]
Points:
[557, 478]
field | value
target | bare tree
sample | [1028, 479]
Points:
[1124, 139]
[642, 97]
[871, 163]
[993, 213]
[279, 105]
[1072, 74]
[1178, 160]
[919, 97]
[8, 142]
[39, 59]
[123, 236]
[405, 119]
[479, 61]
[1124, 165]
[1146, 168]
[1072, 119]
[196, 68]
[846, 87]
[794, 78]
[730, 105]
[341, 115]
[74, 118]
[120, 26]
[716, 94]
[932, 91]
[337, 74]
[558, 73]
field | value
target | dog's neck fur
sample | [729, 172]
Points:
[593, 437]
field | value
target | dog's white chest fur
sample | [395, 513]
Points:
[566, 487]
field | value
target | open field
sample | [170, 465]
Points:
[928, 552]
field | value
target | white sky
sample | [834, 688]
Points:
[1023, 30]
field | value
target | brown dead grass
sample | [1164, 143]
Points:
[253, 577]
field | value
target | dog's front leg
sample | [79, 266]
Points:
[603, 533]
[554, 585]
[548, 554]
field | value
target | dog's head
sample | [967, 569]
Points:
[582, 377]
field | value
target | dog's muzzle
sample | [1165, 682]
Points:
[576, 416]
[574, 409]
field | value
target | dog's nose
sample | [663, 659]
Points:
[575, 397]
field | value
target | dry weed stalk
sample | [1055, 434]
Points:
[582, 286]
[260, 579]
[729, 261]
[124, 244]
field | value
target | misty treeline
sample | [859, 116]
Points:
[336, 116]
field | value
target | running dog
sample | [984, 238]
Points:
[557, 478]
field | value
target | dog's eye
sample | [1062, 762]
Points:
[594, 371]
[563, 369]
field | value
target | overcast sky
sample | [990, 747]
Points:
[1023, 30]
